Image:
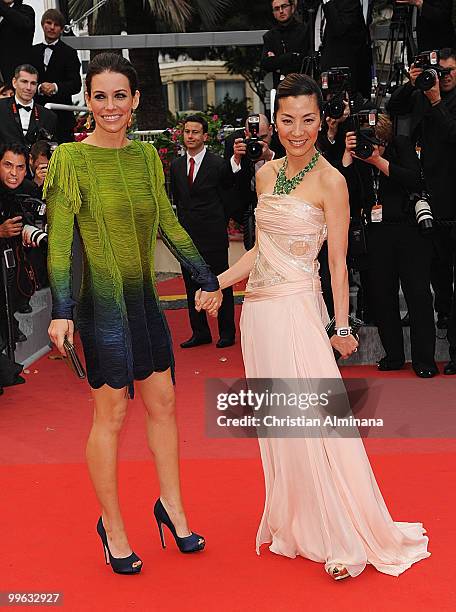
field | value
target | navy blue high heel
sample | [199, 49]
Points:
[188, 544]
[123, 565]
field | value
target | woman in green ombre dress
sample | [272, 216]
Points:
[112, 190]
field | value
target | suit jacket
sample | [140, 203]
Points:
[16, 36]
[64, 70]
[283, 41]
[10, 124]
[434, 28]
[203, 209]
[346, 42]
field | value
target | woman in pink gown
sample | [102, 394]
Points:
[322, 499]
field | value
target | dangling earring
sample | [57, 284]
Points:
[319, 129]
[130, 121]
[88, 123]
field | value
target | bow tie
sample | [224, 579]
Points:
[26, 108]
[51, 47]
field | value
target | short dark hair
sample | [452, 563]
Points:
[25, 68]
[295, 85]
[5, 87]
[111, 62]
[447, 52]
[40, 147]
[197, 119]
[14, 147]
[53, 15]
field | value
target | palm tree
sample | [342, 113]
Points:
[145, 17]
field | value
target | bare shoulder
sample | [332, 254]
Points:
[267, 174]
[330, 176]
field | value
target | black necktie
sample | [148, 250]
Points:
[26, 108]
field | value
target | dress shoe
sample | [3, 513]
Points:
[224, 342]
[25, 309]
[425, 371]
[450, 368]
[442, 321]
[385, 365]
[194, 341]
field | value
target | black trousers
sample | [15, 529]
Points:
[442, 271]
[218, 262]
[399, 253]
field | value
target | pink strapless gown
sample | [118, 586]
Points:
[322, 499]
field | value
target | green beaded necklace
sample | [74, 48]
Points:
[284, 185]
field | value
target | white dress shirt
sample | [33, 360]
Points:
[198, 161]
[24, 116]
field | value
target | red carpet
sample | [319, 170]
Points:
[49, 512]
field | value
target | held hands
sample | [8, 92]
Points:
[47, 89]
[58, 329]
[346, 345]
[40, 174]
[11, 227]
[209, 301]
[433, 94]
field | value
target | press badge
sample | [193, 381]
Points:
[376, 213]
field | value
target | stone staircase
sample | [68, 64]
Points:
[34, 325]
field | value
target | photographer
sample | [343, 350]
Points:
[17, 27]
[13, 229]
[434, 29]
[287, 44]
[245, 163]
[433, 126]
[398, 252]
[343, 39]
[40, 154]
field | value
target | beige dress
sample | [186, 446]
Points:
[322, 499]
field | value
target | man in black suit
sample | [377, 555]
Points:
[434, 29]
[286, 44]
[199, 182]
[59, 72]
[17, 27]
[20, 117]
[342, 36]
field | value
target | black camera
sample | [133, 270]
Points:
[254, 145]
[33, 213]
[43, 134]
[429, 62]
[335, 85]
[364, 123]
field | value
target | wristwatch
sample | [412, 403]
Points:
[343, 331]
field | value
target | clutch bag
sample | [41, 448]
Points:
[73, 360]
[353, 322]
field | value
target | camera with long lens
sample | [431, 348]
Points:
[428, 61]
[421, 209]
[33, 213]
[364, 123]
[44, 134]
[335, 86]
[254, 146]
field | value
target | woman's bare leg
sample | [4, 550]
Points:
[157, 392]
[109, 413]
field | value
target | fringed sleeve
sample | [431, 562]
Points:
[63, 200]
[173, 234]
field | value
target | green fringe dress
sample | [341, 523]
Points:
[117, 201]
